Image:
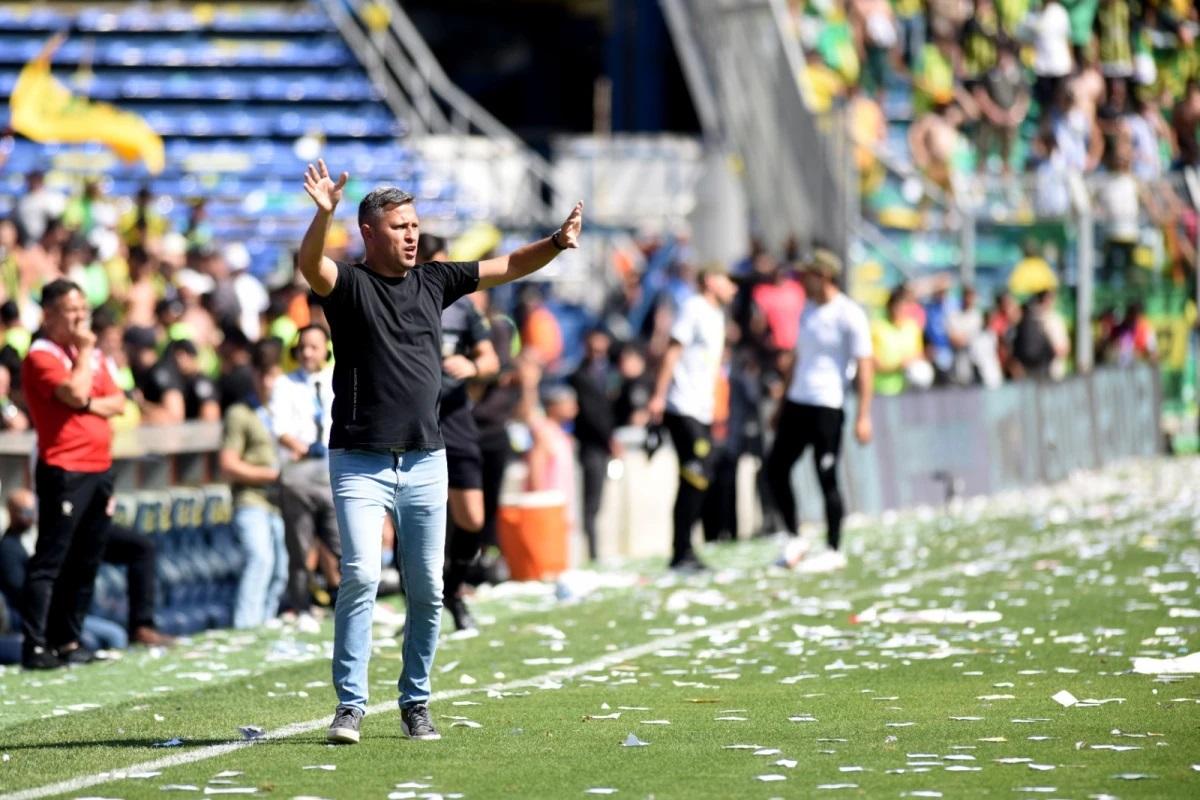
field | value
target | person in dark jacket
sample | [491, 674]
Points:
[596, 384]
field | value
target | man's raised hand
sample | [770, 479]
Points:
[568, 235]
[321, 188]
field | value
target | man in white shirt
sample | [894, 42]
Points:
[684, 396]
[301, 410]
[252, 297]
[1052, 59]
[834, 336]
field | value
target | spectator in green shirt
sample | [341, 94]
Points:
[250, 461]
[897, 344]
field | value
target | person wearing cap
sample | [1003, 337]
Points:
[387, 456]
[834, 337]
[71, 396]
[684, 399]
[252, 297]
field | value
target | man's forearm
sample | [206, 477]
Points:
[112, 405]
[312, 246]
[866, 387]
[523, 261]
[81, 374]
[663, 380]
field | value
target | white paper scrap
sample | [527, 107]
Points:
[324, 767]
[772, 778]
[633, 741]
[1065, 699]
[600, 790]
[1183, 665]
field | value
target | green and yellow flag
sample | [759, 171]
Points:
[46, 111]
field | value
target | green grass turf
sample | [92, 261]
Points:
[1083, 576]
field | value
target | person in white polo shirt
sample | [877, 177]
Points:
[683, 400]
[834, 343]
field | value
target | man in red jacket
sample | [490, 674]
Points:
[71, 396]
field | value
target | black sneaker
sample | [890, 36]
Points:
[417, 724]
[40, 658]
[457, 607]
[345, 725]
[688, 565]
[76, 655]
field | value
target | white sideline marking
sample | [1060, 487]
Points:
[296, 728]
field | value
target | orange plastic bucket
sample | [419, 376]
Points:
[532, 530]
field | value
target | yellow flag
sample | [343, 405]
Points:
[44, 110]
[475, 242]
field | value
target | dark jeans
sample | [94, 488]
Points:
[73, 525]
[306, 503]
[719, 515]
[135, 551]
[496, 454]
[594, 459]
[802, 426]
[693, 445]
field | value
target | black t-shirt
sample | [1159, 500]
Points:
[197, 390]
[387, 337]
[235, 386]
[156, 381]
[463, 327]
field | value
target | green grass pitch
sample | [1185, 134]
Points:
[751, 682]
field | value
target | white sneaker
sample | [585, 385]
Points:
[824, 561]
[794, 550]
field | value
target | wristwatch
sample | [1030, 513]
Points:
[554, 238]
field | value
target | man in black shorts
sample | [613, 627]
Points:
[467, 356]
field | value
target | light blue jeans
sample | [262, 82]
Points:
[264, 578]
[412, 487]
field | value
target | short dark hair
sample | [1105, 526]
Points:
[428, 246]
[55, 290]
[177, 346]
[103, 319]
[9, 312]
[312, 326]
[234, 337]
[267, 354]
[379, 200]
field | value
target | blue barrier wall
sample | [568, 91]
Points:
[980, 441]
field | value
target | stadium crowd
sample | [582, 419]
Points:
[1107, 90]
[190, 334]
